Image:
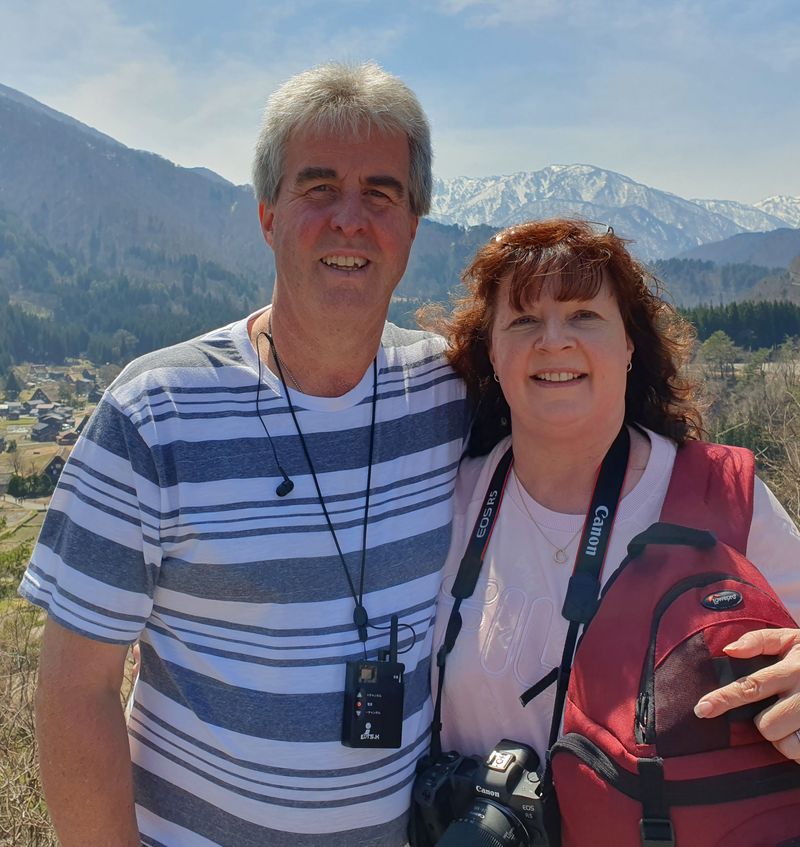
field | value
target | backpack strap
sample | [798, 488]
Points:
[711, 488]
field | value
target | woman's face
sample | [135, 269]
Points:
[562, 365]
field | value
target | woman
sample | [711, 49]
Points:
[561, 338]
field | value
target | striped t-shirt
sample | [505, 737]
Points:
[166, 527]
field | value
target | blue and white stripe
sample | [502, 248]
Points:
[165, 527]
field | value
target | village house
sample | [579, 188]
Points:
[15, 411]
[52, 470]
[36, 372]
[39, 396]
[46, 430]
[43, 409]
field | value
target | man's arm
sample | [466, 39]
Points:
[780, 722]
[83, 743]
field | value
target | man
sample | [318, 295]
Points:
[254, 506]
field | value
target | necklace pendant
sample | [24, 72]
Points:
[560, 556]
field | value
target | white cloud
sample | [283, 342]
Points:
[196, 102]
[499, 12]
[671, 93]
[78, 37]
[515, 13]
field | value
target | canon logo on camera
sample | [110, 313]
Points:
[481, 790]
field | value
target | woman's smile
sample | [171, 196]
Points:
[558, 379]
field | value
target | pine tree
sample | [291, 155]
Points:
[13, 385]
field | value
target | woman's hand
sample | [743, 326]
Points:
[780, 722]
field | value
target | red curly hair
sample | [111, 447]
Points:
[574, 259]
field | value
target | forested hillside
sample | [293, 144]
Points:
[55, 304]
[52, 305]
[690, 282]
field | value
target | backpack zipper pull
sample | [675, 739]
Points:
[642, 704]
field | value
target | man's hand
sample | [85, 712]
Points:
[83, 744]
[780, 722]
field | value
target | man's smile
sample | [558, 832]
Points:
[345, 262]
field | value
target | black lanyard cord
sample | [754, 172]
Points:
[360, 617]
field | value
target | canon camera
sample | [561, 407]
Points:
[461, 801]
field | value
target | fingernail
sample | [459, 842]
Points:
[703, 709]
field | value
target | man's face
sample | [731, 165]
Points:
[342, 225]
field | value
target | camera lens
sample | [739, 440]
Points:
[485, 824]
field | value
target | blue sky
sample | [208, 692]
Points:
[698, 98]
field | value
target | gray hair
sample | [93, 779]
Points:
[343, 99]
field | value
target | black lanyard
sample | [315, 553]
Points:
[360, 616]
[583, 591]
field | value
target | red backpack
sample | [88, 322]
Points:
[634, 766]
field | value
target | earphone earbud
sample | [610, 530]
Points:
[287, 486]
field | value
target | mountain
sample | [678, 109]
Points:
[776, 249]
[748, 218]
[54, 305]
[114, 251]
[783, 207]
[117, 208]
[780, 287]
[659, 223]
[120, 210]
[692, 282]
[117, 251]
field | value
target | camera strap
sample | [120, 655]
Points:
[583, 591]
[466, 580]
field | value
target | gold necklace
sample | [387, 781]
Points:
[560, 553]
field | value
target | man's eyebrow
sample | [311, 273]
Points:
[313, 172]
[382, 181]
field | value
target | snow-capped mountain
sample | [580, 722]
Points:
[661, 224]
[749, 218]
[783, 207]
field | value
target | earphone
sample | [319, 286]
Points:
[360, 616]
[287, 486]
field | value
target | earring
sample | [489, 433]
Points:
[629, 368]
[495, 377]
